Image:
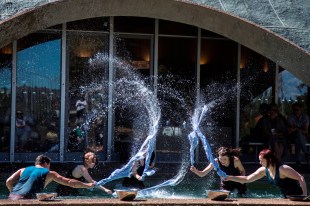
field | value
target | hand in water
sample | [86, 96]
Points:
[227, 178]
[193, 169]
[108, 191]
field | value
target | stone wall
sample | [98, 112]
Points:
[288, 18]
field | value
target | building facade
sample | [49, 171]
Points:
[51, 88]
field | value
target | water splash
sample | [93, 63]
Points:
[196, 134]
[131, 90]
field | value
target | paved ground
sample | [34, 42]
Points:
[158, 202]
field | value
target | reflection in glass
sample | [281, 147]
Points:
[127, 24]
[257, 89]
[86, 91]
[93, 24]
[131, 123]
[291, 89]
[176, 28]
[38, 93]
[218, 62]
[136, 51]
[176, 90]
[5, 97]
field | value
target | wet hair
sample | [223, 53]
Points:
[269, 156]
[41, 159]
[230, 152]
[91, 156]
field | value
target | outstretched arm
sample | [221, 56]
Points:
[287, 171]
[54, 176]
[203, 172]
[258, 174]
[13, 179]
[88, 178]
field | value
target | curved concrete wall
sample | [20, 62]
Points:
[271, 45]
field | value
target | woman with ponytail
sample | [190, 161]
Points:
[288, 180]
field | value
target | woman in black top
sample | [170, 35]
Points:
[135, 179]
[80, 172]
[230, 164]
[289, 181]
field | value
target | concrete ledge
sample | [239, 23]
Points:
[166, 202]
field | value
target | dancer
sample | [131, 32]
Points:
[230, 164]
[34, 179]
[80, 172]
[289, 181]
[135, 180]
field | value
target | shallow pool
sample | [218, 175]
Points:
[188, 188]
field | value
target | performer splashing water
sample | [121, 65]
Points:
[194, 141]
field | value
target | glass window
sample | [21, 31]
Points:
[87, 91]
[38, 93]
[218, 61]
[218, 66]
[175, 28]
[177, 64]
[5, 97]
[93, 24]
[131, 123]
[135, 50]
[176, 91]
[257, 90]
[134, 25]
[291, 90]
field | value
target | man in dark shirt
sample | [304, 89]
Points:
[298, 123]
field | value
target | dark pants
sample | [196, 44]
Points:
[299, 139]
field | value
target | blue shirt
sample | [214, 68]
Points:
[31, 181]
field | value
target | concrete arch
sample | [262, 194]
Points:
[269, 44]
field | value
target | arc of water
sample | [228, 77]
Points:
[151, 104]
[146, 149]
[194, 141]
[154, 113]
[194, 137]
